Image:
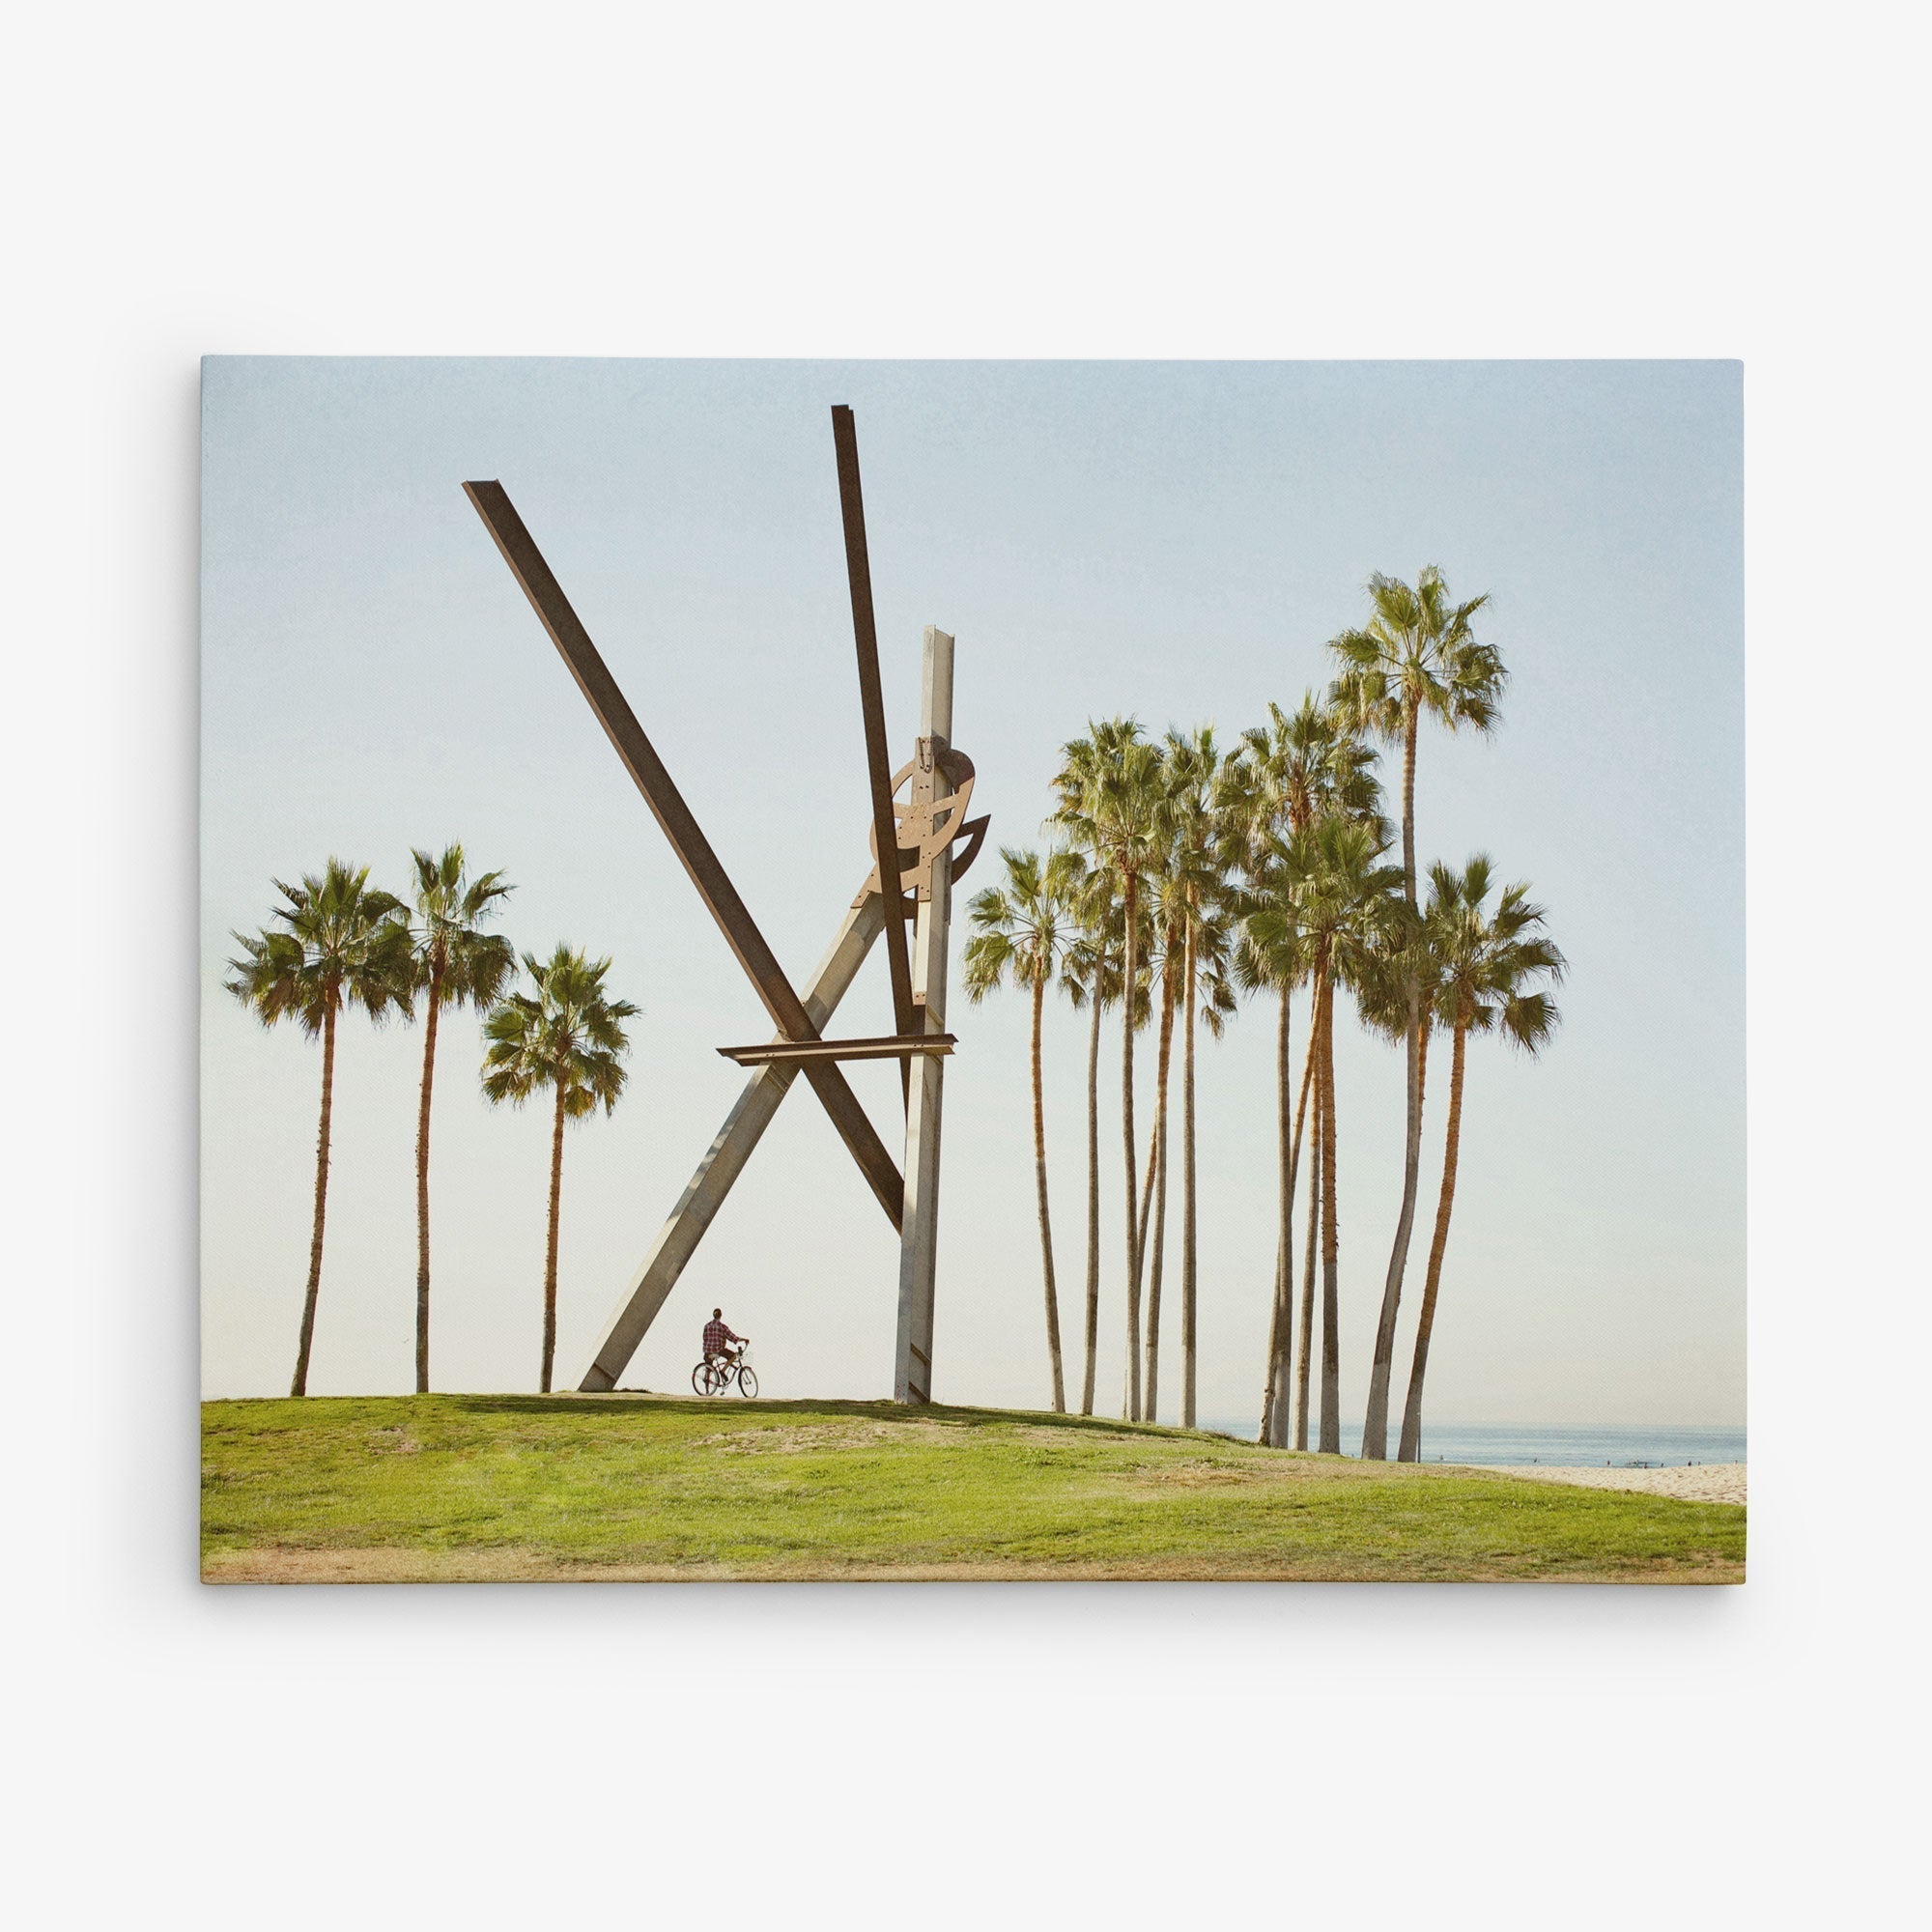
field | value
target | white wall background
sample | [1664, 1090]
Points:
[1393, 180]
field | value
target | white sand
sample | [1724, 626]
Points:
[1700, 1482]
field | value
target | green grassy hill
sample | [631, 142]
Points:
[545, 1488]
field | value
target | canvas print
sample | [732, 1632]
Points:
[972, 971]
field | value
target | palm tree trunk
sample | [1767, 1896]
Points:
[1145, 1211]
[1189, 1201]
[1149, 1397]
[1280, 1394]
[1284, 1285]
[1093, 1203]
[1151, 1381]
[1411, 719]
[1374, 1424]
[1045, 1220]
[550, 1250]
[1131, 1396]
[1331, 1338]
[422, 1182]
[1410, 1448]
[299, 1385]
[1307, 1335]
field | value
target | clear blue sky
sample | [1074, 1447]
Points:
[1172, 540]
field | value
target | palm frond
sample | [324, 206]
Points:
[1417, 655]
[1483, 962]
[334, 942]
[567, 1036]
[449, 952]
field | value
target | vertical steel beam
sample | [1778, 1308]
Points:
[871, 702]
[918, 1231]
[694, 850]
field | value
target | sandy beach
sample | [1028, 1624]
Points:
[1700, 1482]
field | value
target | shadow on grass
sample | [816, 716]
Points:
[619, 1402]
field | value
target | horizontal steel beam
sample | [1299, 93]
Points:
[884, 1047]
[694, 850]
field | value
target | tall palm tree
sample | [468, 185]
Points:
[1021, 929]
[1305, 1338]
[1344, 902]
[568, 1037]
[453, 963]
[1485, 963]
[1210, 1003]
[1165, 963]
[1298, 767]
[1189, 957]
[1400, 958]
[339, 942]
[1110, 802]
[1089, 975]
[1198, 889]
[1417, 655]
[1280, 778]
[1273, 953]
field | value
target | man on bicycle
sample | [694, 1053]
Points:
[718, 1339]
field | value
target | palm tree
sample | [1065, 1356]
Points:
[1020, 932]
[339, 942]
[1485, 966]
[453, 963]
[1165, 964]
[1343, 901]
[1298, 767]
[1197, 886]
[1109, 806]
[1210, 1002]
[1190, 958]
[1319, 913]
[1281, 777]
[1417, 654]
[570, 1038]
[1273, 953]
[1091, 975]
[1316, 1166]
[1305, 1338]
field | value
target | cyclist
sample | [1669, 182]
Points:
[718, 1339]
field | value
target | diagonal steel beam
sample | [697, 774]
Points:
[885, 830]
[694, 850]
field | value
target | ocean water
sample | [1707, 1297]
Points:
[1510, 1442]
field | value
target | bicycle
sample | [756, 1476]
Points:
[715, 1374]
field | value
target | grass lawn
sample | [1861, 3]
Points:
[465, 1487]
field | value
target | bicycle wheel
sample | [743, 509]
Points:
[748, 1382]
[700, 1378]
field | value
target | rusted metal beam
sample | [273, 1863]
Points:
[883, 1046]
[865, 632]
[694, 850]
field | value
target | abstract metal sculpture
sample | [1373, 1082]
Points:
[921, 832]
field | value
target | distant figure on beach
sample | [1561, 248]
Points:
[718, 1339]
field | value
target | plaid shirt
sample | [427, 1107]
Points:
[716, 1335]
